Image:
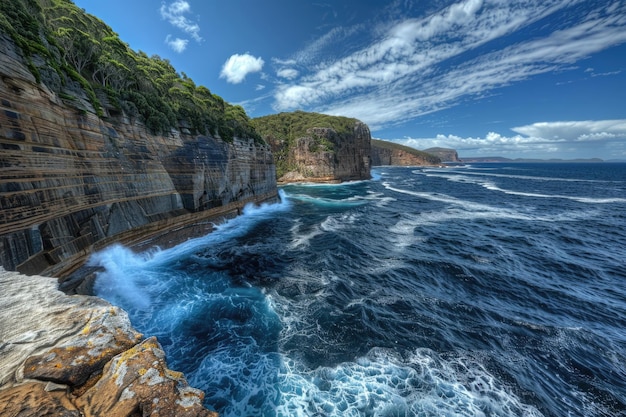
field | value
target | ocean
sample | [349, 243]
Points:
[478, 290]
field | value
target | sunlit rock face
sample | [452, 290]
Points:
[323, 155]
[71, 182]
[78, 355]
[389, 153]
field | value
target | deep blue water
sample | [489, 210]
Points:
[483, 290]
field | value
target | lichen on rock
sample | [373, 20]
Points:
[88, 349]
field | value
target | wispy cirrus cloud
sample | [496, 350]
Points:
[237, 67]
[175, 13]
[288, 73]
[424, 65]
[574, 139]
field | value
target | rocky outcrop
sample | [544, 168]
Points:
[389, 153]
[317, 147]
[72, 183]
[78, 355]
[345, 160]
[445, 154]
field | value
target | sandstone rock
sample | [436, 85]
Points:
[61, 338]
[348, 159]
[85, 354]
[32, 400]
[446, 154]
[389, 153]
[138, 382]
[90, 348]
[317, 148]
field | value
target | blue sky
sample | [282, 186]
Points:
[512, 78]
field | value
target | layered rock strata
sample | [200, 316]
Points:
[78, 355]
[71, 182]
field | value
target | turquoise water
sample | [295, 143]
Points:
[482, 290]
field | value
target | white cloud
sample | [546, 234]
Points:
[237, 67]
[407, 73]
[581, 131]
[259, 87]
[174, 14]
[177, 44]
[288, 73]
[565, 139]
[311, 54]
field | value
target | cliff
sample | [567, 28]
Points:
[389, 153]
[72, 182]
[316, 147]
[99, 144]
[446, 154]
[66, 355]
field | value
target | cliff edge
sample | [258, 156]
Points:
[73, 182]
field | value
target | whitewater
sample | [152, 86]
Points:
[477, 290]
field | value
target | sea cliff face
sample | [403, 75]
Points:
[348, 159]
[317, 147]
[389, 153]
[71, 182]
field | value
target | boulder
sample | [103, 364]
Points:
[138, 382]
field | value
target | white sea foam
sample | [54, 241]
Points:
[376, 175]
[588, 200]
[464, 176]
[523, 177]
[470, 206]
[383, 383]
[301, 238]
[120, 283]
[335, 223]
[127, 274]
[329, 202]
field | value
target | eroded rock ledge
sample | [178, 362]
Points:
[78, 355]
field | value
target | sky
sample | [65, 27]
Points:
[510, 78]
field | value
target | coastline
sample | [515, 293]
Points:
[64, 349]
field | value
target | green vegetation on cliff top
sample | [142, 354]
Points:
[428, 157]
[282, 130]
[70, 50]
[290, 126]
